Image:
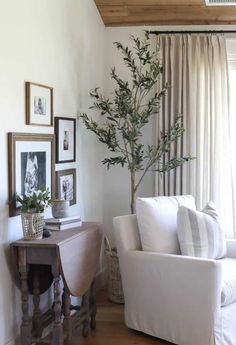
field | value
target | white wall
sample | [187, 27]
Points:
[58, 43]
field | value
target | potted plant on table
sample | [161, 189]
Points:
[32, 208]
[124, 116]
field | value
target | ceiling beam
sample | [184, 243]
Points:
[160, 12]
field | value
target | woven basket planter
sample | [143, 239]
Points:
[32, 224]
[115, 290]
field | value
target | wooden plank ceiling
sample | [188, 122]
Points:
[164, 12]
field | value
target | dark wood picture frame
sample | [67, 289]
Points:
[59, 175]
[13, 140]
[65, 125]
[28, 104]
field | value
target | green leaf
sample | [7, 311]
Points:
[114, 161]
[36, 201]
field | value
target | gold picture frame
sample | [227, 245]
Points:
[39, 104]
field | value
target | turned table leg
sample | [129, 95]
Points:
[37, 327]
[57, 327]
[93, 305]
[25, 325]
[85, 307]
[67, 322]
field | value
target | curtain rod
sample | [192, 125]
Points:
[194, 32]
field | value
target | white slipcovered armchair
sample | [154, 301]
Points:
[184, 300]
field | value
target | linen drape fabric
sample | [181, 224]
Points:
[196, 68]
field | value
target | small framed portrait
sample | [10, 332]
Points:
[66, 185]
[31, 165]
[39, 104]
[65, 130]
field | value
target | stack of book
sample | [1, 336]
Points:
[62, 223]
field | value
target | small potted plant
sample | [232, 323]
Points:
[32, 207]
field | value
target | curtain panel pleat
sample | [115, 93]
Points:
[196, 68]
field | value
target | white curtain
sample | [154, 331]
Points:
[196, 68]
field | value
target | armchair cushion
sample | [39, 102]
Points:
[157, 222]
[200, 233]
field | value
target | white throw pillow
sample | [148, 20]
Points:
[157, 221]
[200, 232]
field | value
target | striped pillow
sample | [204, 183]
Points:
[200, 233]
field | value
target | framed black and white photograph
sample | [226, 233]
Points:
[65, 130]
[39, 104]
[66, 185]
[33, 171]
[31, 165]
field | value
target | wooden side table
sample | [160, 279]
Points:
[72, 256]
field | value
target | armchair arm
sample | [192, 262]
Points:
[231, 248]
[172, 291]
[177, 276]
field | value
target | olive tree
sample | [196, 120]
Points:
[129, 110]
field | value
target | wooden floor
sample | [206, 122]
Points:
[111, 329]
